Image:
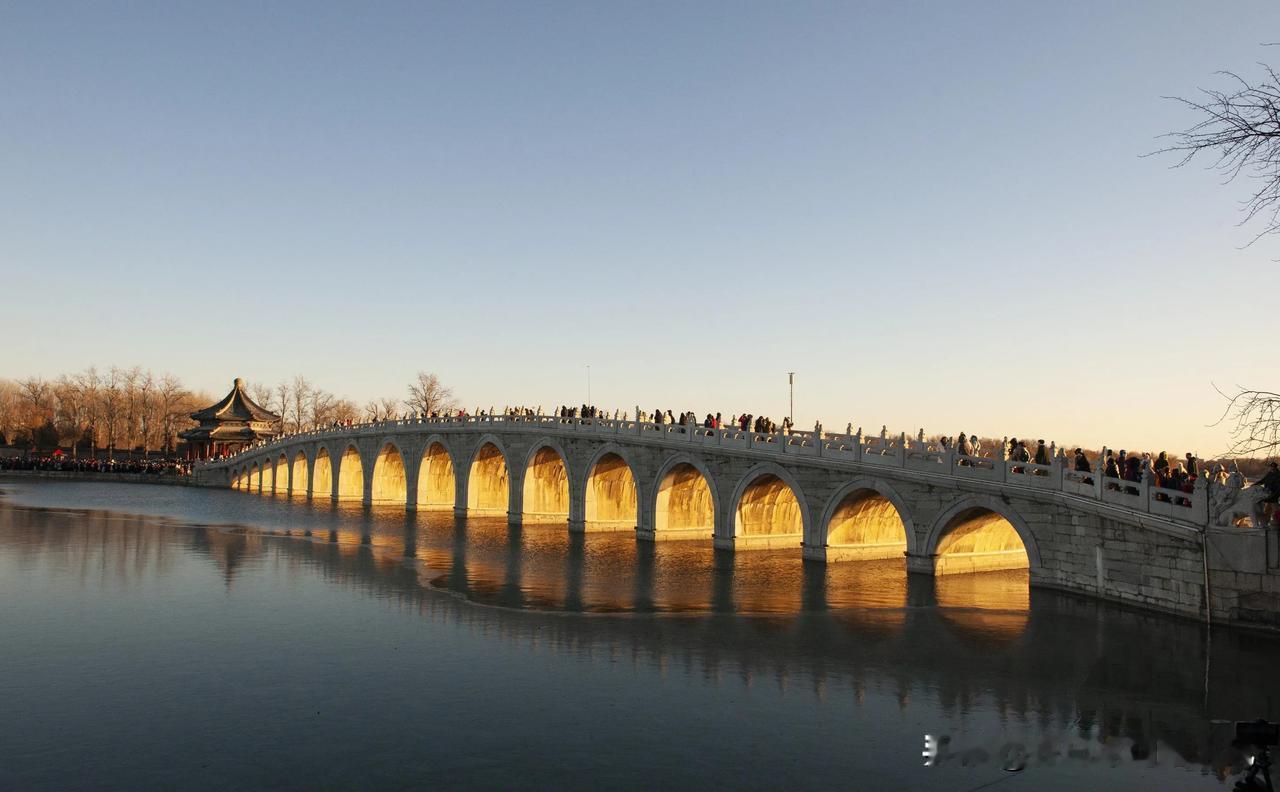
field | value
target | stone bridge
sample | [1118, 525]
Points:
[834, 497]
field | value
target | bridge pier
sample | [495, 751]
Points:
[758, 542]
[811, 553]
[580, 526]
[922, 563]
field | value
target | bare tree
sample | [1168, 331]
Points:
[148, 412]
[89, 383]
[301, 394]
[427, 395]
[112, 401]
[1254, 418]
[174, 404]
[1239, 130]
[375, 409]
[130, 382]
[261, 394]
[70, 412]
[343, 411]
[389, 408]
[320, 408]
[283, 400]
[36, 398]
[10, 420]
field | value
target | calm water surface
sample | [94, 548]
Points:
[170, 638]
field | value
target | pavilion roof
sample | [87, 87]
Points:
[235, 406]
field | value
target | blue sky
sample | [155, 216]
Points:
[935, 213]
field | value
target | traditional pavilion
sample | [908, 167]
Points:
[230, 425]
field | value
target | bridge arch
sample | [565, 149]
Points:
[390, 483]
[488, 478]
[865, 519]
[611, 490]
[546, 483]
[281, 475]
[769, 508]
[268, 476]
[979, 534]
[322, 473]
[350, 474]
[685, 500]
[437, 478]
[255, 478]
[298, 484]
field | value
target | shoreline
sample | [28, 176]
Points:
[80, 475]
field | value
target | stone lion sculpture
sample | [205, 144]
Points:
[1232, 504]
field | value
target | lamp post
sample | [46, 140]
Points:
[791, 381]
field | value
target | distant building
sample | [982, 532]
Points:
[230, 425]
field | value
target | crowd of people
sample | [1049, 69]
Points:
[66, 464]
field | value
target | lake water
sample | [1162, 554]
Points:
[176, 638]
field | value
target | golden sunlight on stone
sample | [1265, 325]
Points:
[487, 483]
[322, 476]
[299, 485]
[769, 508]
[546, 487]
[865, 526]
[435, 479]
[389, 483]
[350, 475]
[611, 493]
[979, 541]
[685, 508]
[281, 475]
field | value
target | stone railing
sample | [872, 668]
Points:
[877, 451]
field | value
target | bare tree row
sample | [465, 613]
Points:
[116, 408]
[134, 409]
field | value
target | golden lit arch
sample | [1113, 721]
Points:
[281, 475]
[255, 478]
[546, 487]
[436, 485]
[268, 477]
[611, 492]
[976, 539]
[768, 507]
[487, 485]
[684, 506]
[298, 475]
[322, 474]
[389, 485]
[350, 475]
[865, 524]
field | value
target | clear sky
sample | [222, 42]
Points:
[935, 213]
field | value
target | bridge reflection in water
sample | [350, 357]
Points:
[951, 644]
[543, 567]
[1070, 666]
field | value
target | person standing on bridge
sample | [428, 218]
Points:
[1271, 484]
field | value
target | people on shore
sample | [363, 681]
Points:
[65, 464]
